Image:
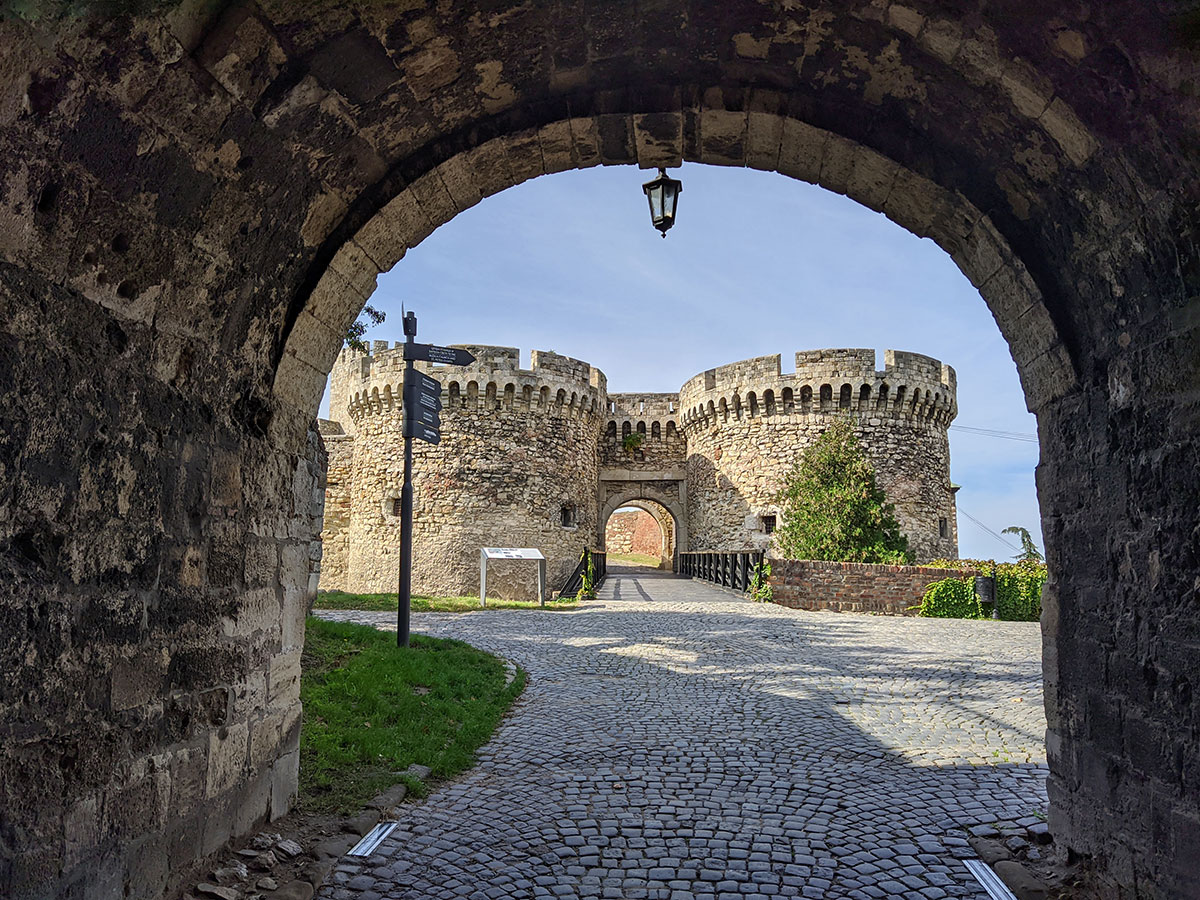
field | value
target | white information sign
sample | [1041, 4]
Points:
[512, 553]
[530, 553]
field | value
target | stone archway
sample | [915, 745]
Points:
[666, 510]
[660, 523]
[197, 202]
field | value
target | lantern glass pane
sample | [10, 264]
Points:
[671, 198]
[656, 202]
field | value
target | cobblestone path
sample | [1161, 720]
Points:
[675, 741]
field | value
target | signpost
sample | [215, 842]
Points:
[421, 404]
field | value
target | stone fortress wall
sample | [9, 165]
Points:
[516, 467]
[536, 457]
[657, 417]
[746, 423]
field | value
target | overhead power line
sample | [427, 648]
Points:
[991, 432]
[989, 531]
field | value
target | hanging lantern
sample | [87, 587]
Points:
[663, 194]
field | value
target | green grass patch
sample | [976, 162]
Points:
[372, 709]
[634, 559]
[387, 602]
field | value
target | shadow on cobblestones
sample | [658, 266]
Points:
[679, 742]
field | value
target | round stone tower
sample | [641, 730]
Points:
[747, 423]
[517, 466]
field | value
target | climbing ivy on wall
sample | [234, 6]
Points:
[951, 598]
[1018, 585]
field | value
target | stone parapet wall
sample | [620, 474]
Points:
[854, 587]
[657, 417]
[910, 385]
[374, 382]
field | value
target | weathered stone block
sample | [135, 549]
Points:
[659, 139]
[139, 679]
[227, 748]
[254, 802]
[801, 149]
[285, 780]
[257, 610]
[284, 680]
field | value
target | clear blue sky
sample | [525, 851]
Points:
[757, 264]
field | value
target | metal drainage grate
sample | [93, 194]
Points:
[991, 882]
[374, 838]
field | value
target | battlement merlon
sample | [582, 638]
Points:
[826, 366]
[918, 366]
[839, 363]
[385, 357]
[366, 383]
[643, 406]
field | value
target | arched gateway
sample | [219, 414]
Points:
[198, 200]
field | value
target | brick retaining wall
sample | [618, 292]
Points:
[854, 587]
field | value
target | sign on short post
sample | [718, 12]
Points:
[486, 553]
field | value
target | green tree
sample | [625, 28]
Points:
[354, 334]
[833, 509]
[1029, 550]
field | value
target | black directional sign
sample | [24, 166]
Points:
[450, 356]
[422, 400]
[424, 416]
[421, 390]
[421, 432]
[422, 403]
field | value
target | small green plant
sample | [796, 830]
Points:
[951, 598]
[633, 441]
[587, 587]
[760, 583]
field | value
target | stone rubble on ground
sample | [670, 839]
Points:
[289, 848]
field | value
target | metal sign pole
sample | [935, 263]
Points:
[404, 606]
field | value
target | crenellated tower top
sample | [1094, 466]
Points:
[911, 386]
[367, 383]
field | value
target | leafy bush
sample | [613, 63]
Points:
[834, 510]
[587, 585]
[633, 441]
[951, 598]
[355, 332]
[760, 583]
[1018, 584]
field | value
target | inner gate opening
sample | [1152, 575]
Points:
[640, 534]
